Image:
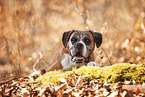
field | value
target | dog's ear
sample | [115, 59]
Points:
[65, 37]
[97, 38]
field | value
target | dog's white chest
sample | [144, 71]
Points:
[67, 62]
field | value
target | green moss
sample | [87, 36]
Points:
[122, 71]
[52, 77]
[114, 73]
[88, 71]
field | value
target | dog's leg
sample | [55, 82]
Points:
[56, 65]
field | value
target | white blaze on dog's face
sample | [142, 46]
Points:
[81, 44]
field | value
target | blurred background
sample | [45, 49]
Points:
[31, 31]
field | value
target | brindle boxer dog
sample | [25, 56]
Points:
[78, 50]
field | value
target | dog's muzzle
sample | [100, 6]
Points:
[78, 57]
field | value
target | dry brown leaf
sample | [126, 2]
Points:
[138, 91]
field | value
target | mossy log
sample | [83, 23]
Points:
[112, 74]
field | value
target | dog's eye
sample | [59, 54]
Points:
[87, 41]
[73, 40]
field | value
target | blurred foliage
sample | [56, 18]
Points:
[28, 27]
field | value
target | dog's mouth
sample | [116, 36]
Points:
[78, 58]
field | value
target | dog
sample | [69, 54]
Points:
[78, 47]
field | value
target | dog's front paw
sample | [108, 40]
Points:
[92, 64]
[34, 75]
[37, 74]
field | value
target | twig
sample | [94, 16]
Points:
[37, 61]
[78, 81]
[9, 52]
[81, 14]
[106, 55]
[19, 51]
[136, 54]
[141, 40]
[8, 47]
[44, 62]
[78, 10]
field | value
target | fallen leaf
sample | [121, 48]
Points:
[138, 91]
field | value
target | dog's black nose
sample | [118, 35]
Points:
[79, 45]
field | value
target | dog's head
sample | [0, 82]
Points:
[81, 44]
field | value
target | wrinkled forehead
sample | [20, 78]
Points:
[82, 34]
